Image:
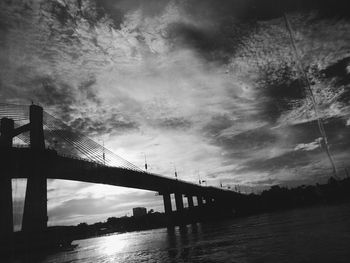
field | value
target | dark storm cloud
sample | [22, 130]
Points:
[222, 28]
[238, 144]
[63, 98]
[61, 12]
[68, 13]
[264, 9]
[219, 28]
[174, 123]
[217, 124]
[213, 42]
[281, 88]
[231, 100]
[339, 72]
[87, 88]
[254, 139]
[292, 154]
[48, 92]
[267, 182]
[302, 155]
[233, 25]
[290, 160]
[37, 69]
[110, 124]
[338, 132]
[116, 8]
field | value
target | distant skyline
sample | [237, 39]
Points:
[194, 84]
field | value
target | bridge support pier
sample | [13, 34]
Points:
[199, 201]
[167, 208]
[179, 202]
[6, 206]
[35, 207]
[208, 200]
[179, 218]
[167, 204]
[190, 201]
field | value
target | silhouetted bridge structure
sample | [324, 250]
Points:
[46, 143]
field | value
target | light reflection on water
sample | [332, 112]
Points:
[319, 234]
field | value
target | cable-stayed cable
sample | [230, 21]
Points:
[91, 149]
[64, 139]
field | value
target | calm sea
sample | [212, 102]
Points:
[317, 234]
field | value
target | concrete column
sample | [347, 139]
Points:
[168, 209]
[35, 206]
[200, 201]
[6, 215]
[179, 202]
[167, 204]
[190, 201]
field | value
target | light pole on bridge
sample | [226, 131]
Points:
[175, 171]
[146, 165]
[199, 178]
[103, 151]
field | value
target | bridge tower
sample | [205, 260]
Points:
[6, 217]
[35, 206]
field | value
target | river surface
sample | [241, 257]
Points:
[317, 234]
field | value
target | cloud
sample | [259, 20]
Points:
[174, 123]
[112, 123]
[308, 146]
[191, 84]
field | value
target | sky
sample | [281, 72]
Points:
[209, 87]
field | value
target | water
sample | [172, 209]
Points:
[318, 234]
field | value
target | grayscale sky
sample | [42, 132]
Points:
[209, 86]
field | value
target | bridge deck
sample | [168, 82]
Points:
[66, 168]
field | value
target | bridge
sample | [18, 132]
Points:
[53, 150]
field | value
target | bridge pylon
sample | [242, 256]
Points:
[35, 207]
[6, 207]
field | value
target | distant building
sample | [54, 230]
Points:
[139, 211]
